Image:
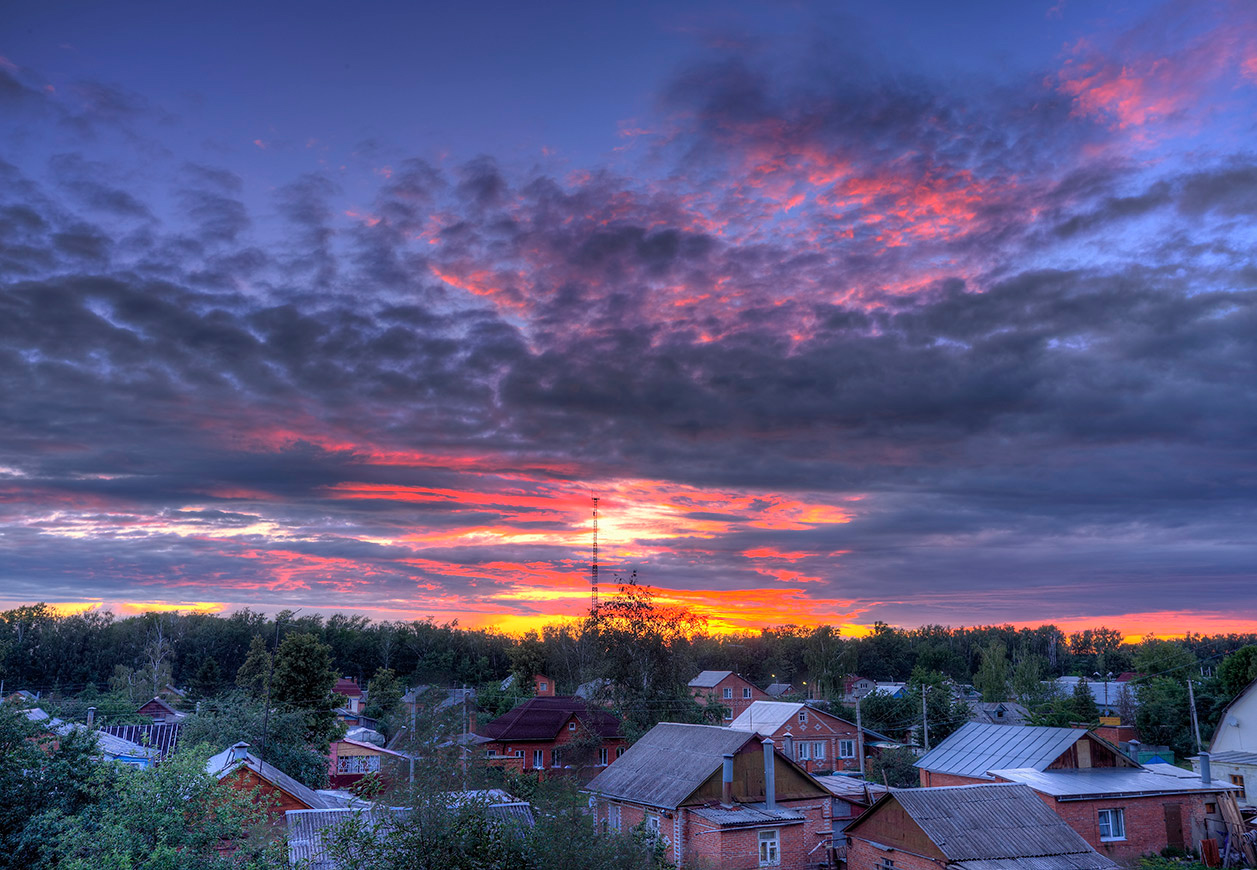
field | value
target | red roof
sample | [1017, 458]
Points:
[347, 687]
[543, 718]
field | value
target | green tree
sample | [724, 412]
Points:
[384, 698]
[1154, 656]
[1027, 680]
[303, 684]
[992, 676]
[254, 675]
[1084, 703]
[895, 767]
[208, 681]
[1237, 670]
[174, 816]
[1163, 717]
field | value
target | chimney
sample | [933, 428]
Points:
[91, 716]
[1206, 775]
[787, 745]
[726, 785]
[240, 751]
[770, 776]
[1132, 749]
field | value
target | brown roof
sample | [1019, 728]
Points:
[542, 719]
[347, 687]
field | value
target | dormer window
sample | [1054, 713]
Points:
[571, 726]
[803, 717]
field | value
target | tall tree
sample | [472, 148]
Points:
[303, 683]
[1237, 670]
[992, 676]
[1084, 703]
[255, 674]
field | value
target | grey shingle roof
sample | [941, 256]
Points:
[998, 822]
[708, 679]
[666, 765]
[974, 748]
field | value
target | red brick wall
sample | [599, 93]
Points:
[862, 856]
[933, 778]
[820, 727]
[737, 703]
[506, 759]
[1145, 823]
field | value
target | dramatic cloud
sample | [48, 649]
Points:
[831, 341]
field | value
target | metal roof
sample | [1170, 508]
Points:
[222, 764]
[1234, 756]
[776, 690]
[708, 679]
[996, 822]
[1099, 781]
[851, 787]
[1107, 694]
[749, 816]
[668, 763]
[109, 745]
[306, 847]
[765, 717]
[162, 737]
[1072, 861]
[974, 748]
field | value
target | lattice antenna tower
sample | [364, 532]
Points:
[593, 564]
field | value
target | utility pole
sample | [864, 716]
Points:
[270, 678]
[1191, 696]
[859, 736]
[925, 721]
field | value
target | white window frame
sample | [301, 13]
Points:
[746, 693]
[613, 817]
[728, 693]
[619, 750]
[1115, 821]
[571, 726]
[651, 823]
[543, 686]
[556, 757]
[886, 864]
[802, 751]
[818, 750]
[769, 847]
[846, 749]
[538, 759]
[803, 717]
[602, 756]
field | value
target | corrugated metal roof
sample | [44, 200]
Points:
[974, 748]
[765, 717]
[541, 719]
[306, 847]
[666, 765]
[776, 690]
[1076, 861]
[851, 787]
[1098, 781]
[708, 679]
[162, 737]
[749, 815]
[1234, 756]
[992, 822]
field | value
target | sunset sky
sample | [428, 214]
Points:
[917, 312]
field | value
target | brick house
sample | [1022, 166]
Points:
[159, 711]
[244, 771]
[552, 735]
[717, 797]
[348, 689]
[1126, 812]
[348, 761]
[966, 827]
[854, 687]
[816, 740]
[1120, 807]
[727, 688]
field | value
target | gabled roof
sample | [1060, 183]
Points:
[708, 679]
[668, 763]
[1222, 723]
[776, 690]
[223, 764]
[162, 704]
[986, 827]
[766, 717]
[542, 718]
[110, 747]
[347, 687]
[371, 746]
[852, 788]
[306, 847]
[974, 748]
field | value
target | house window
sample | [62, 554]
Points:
[886, 864]
[613, 817]
[803, 717]
[801, 752]
[1112, 825]
[1237, 779]
[358, 764]
[602, 755]
[728, 694]
[746, 693]
[818, 750]
[619, 750]
[554, 758]
[769, 848]
[1211, 808]
[571, 726]
[542, 686]
[519, 753]
[652, 824]
[846, 749]
[538, 761]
